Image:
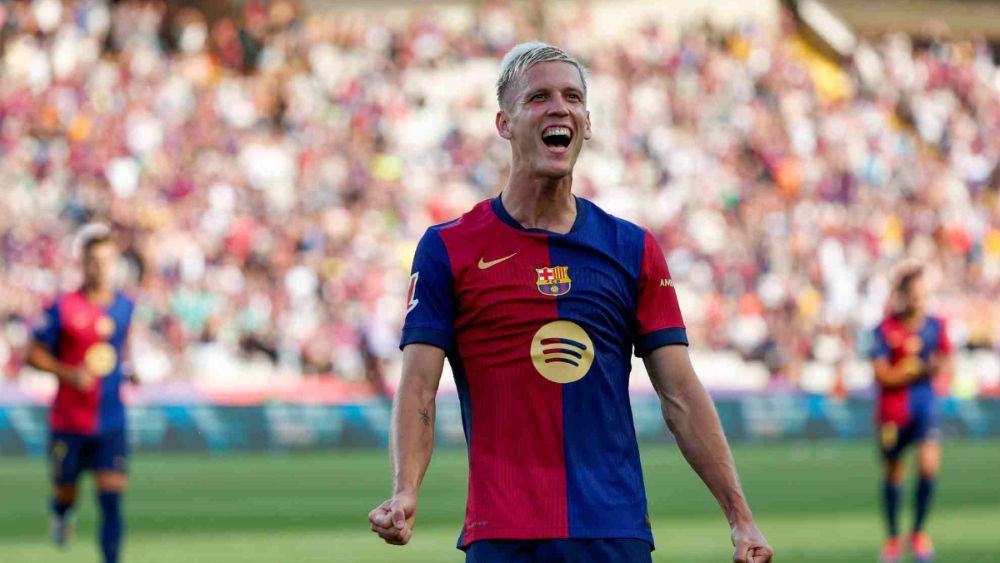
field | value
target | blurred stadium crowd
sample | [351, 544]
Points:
[269, 174]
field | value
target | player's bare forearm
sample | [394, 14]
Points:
[691, 417]
[41, 359]
[901, 374]
[411, 441]
[413, 412]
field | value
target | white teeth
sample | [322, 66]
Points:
[550, 131]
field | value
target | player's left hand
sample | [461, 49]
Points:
[751, 547]
[393, 520]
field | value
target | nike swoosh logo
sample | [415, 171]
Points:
[484, 265]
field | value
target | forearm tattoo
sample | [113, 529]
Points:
[425, 416]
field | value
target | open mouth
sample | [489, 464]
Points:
[557, 137]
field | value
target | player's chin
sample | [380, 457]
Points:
[556, 168]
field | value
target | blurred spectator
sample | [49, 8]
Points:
[268, 177]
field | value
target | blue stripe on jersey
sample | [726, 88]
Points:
[112, 411]
[605, 491]
[462, 386]
[922, 403]
[931, 337]
[465, 401]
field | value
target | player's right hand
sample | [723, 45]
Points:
[82, 378]
[913, 366]
[393, 519]
[751, 547]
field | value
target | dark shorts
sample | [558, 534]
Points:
[72, 454]
[894, 439]
[559, 551]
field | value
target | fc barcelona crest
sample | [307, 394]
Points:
[104, 327]
[554, 281]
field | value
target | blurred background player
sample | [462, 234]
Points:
[81, 340]
[911, 348]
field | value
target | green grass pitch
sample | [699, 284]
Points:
[815, 503]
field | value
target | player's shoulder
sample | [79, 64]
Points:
[124, 305]
[435, 230]
[62, 304]
[478, 217]
[53, 301]
[125, 298]
[65, 299]
[937, 322]
[608, 224]
[887, 325]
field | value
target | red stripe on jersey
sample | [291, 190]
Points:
[73, 410]
[658, 307]
[894, 406]
[894, 403]
[517, 475]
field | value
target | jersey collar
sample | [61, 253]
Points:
[582, 206]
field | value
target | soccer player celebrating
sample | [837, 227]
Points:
[537, 298]
[910, 348]
[81, 341]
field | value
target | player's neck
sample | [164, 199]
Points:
[541, 203]
[912, 319]
[98, 295]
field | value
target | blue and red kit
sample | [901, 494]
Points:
[908, 414]
[539, 329]
[88, 427]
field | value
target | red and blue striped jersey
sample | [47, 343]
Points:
[895, 341]
[80, 333]
[539, 329]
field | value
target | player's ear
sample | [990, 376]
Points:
[586, 127]
[503, 124]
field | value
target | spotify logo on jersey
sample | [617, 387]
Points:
[562, 352]
[101, 359]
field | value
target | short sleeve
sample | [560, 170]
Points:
[880, 346]
[658, 314]
[430, 300]
[46, 330]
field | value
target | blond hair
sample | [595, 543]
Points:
[526, 55]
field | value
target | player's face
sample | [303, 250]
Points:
[99, 264]
[915, 296]
[548, 119]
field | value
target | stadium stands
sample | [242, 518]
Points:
[269, 175]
